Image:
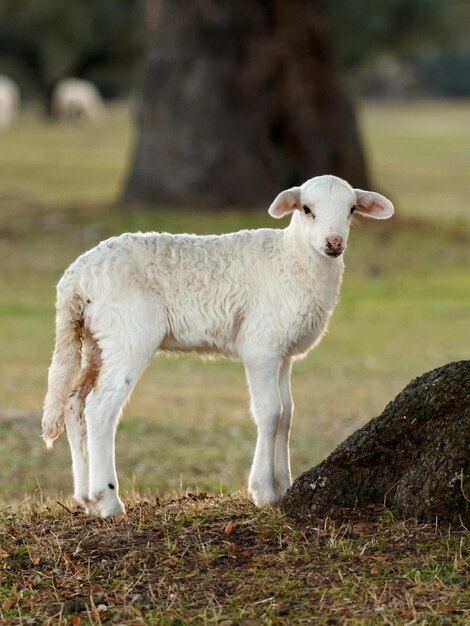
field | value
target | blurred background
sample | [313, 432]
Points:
[191, 115]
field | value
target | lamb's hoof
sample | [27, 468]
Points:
[104, 505]
[282, 486]
[263, 497]
[82, 501]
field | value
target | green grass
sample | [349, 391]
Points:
[404, 307]
[420, 154]
[44, 162]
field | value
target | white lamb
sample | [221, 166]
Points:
[9, 101]
[263, 296]
[76, 98]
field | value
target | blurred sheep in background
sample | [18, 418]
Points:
[75, 98]
[9, 101]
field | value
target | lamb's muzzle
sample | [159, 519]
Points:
[334, 246]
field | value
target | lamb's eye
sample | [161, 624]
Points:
[353, 208]
[306, 209]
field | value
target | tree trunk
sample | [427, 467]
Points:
[240, 100]
[414, 457]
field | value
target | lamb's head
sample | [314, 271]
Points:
[323, 208]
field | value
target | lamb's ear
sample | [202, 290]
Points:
[286, 202]
[373, 204]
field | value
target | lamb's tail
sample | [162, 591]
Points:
[65, 365]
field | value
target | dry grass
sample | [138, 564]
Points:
[199, 560]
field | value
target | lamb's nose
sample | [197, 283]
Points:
[334, 245]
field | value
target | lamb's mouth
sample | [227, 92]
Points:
[334, 253]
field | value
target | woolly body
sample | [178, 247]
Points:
[237, 295]
[75, 97]
[9, 101]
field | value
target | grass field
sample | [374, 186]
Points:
[404, 309]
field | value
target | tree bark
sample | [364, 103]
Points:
[414, 457]
[240, 100]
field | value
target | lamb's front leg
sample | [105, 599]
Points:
[281, 458]
[266, 408]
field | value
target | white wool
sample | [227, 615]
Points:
[9, 101]
[262, 296]
[77, 98]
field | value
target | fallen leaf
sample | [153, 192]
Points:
[445, 608]
[229, 528]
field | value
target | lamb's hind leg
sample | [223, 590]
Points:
[131, 338]
[75, 418]
[76, 434]
[120, 370]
